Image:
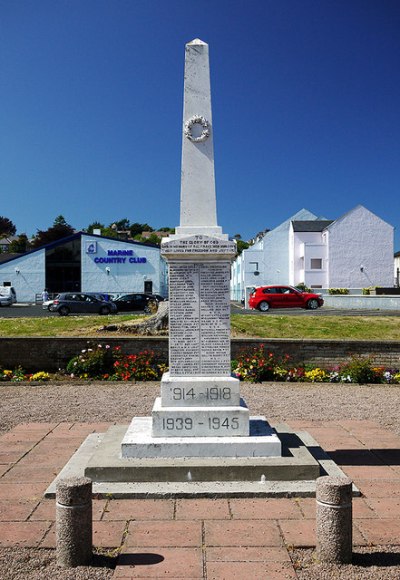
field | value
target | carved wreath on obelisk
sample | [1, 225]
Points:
[197, 120]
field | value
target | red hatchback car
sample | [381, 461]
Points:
[265, 297]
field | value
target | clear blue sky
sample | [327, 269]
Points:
[306, 109]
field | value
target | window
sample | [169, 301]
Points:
[316, 263]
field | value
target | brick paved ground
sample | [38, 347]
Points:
[188, 538]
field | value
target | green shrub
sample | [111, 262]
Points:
[341, 291]
[303, 287]
[139, 367]
[92, 363]
[360, 370]
[257, 365]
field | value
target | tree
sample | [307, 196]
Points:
[20, 245]
[137, 229]
[7, 228]
[241, 245]
[121, 225]
[60, 229]
[95, 226]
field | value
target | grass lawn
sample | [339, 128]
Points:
[262, 326]
[59, 325]
[324, 327]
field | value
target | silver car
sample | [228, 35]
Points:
[78, 303]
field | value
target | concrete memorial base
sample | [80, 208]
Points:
[139, 442]
[293, 474]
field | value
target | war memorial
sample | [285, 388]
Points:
[200, 439]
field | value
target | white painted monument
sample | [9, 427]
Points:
[200, 412]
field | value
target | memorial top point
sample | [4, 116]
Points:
[197, 41]
[198, 213]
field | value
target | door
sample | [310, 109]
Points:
[148, 286]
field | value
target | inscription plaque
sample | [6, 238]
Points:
[199, 244]
[200, 421]
[199, 319]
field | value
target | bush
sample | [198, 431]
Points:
[40, 376]
[15, 376]
[341, 291]
[92, 363]
[360, 370]
[316, 375]
[257, 365]
[139, 367]
[303, 287]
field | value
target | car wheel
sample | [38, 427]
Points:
[263, 306]
[63, 311]
[312, 304]
[104, 310]
[50, 308]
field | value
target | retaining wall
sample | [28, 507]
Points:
[51, 354]
[361, 302]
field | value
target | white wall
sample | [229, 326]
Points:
[31, 277]
[397, 270]
[271, 253]
[306, 246]
[360, 251]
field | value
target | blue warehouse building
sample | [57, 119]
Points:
[86, 263]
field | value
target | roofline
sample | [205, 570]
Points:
[358, 206]
[72, 237]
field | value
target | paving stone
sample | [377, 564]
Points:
[160, 563]
[4, 469]
[165, 534]
[108, 534]
[300, 534]
[34, 474]
[264, 509]
[202, 509]
[139, 509]
[385, 507]
[10, 453]
[253, 570]
[26, 534]
[379, 489]
[49, 540]
[21, 491]
[247, 554]
[242, 533]
[16, 511]
[356, 472]
[384, 531]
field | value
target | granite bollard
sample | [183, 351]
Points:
[74, 521]
[334, 519]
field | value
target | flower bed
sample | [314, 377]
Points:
[101, 362]
[258, 365]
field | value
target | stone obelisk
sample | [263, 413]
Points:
[198, 213]
[200, 412]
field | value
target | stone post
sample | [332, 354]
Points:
[74, 521]
[334, 519]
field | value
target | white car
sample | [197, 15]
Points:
[7, 295]
[48, 305]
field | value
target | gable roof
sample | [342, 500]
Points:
[358, 207]
[71, 238]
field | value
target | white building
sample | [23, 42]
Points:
[86, 263]
[354, 251]
[397, 269]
